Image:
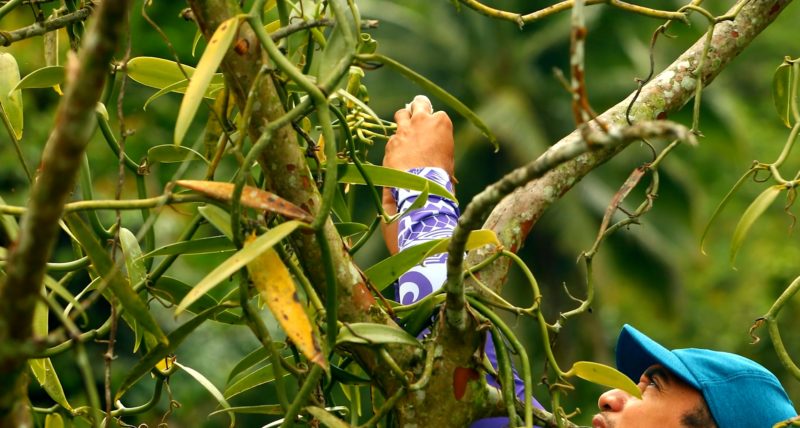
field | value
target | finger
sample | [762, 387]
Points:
[421, 104]
[442, 117]
[402, 116]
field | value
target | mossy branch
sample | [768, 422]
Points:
[667, 93]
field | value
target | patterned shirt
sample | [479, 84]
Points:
[436, 220]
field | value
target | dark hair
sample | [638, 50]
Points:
[699, 417]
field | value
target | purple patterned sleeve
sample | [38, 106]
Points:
[435, 220]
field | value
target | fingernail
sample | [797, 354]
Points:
[423, 98]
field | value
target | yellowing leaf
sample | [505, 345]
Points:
[237, 261]
[163, 365]
[10, 98]
[602, 374]
[751, 214]
[273, 280]
[53, 420]
[273, 26]
[209, 62]
[251, 197]
[477, 239]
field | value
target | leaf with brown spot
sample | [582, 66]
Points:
[251, 197]
[273, 280]
[206, 68]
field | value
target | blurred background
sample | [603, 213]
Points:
[651, 275]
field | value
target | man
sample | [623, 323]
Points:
[682, 388]
[690, 388]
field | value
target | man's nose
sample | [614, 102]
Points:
[613, 400]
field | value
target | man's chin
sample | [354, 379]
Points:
[599, 421]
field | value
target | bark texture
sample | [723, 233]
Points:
[513, 218]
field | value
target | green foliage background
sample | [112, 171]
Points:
[652, 276]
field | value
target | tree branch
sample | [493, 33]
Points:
[514, 217]
[284, 163]
[74, 126]
[39, 28]
[590, 140]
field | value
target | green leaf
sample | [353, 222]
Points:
[264, 409]
[137, 272]
[751, 214]
[202, 380]
[339, 206]
[42, 368]
[238, 261]
[168, 153]
[326, 418]
[477, 238]
[256, 356]
[218, 218]
[45, 373]
[197, 36]
[60, 291]
[181, 84]
[262, 376]
[782, 91]
[9, 224]
[602, 374]
[388, 177]
[420, 317]
[343, 376]
[420, 200]
[335, 50]
[44, 77]
[161, 73]
[174, 291]
[436, 91]
[118, 284]
[160, 351]
[10, 98]
[350, 229]
[206, 67]
[213, 244]
[721, 206]
[372, 334]
[385, 272]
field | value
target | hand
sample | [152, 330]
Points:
[423, 139]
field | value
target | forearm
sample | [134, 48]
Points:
[436, 219]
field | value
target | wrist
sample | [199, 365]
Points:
[435, 174]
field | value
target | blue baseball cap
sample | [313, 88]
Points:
[739, 392]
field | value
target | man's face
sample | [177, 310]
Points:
[665, 401]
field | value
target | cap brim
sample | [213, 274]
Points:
[636, 352]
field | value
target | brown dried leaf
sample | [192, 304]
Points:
[251, 197]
